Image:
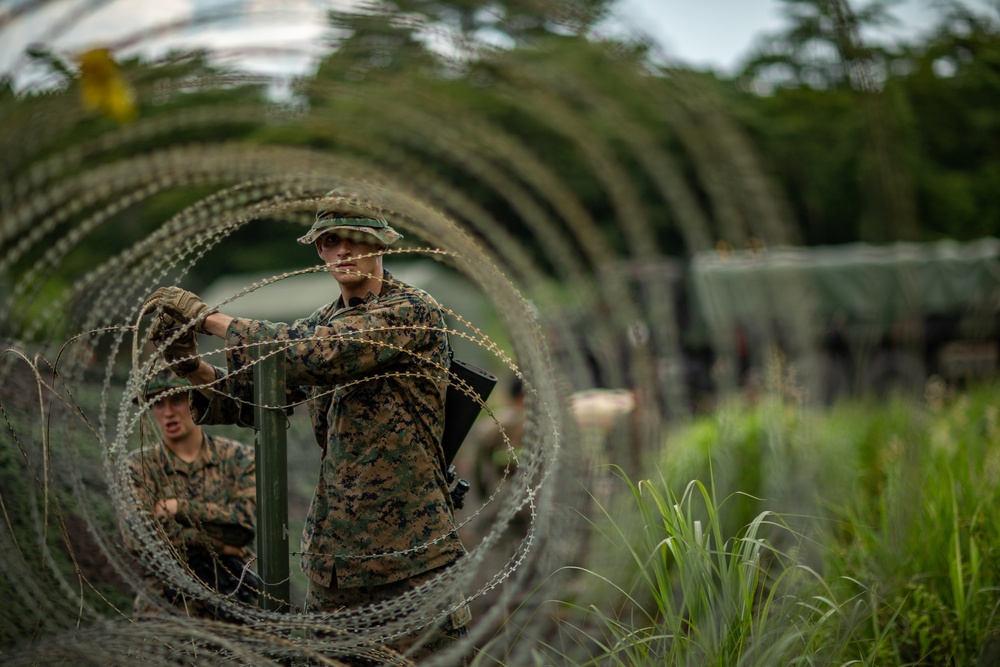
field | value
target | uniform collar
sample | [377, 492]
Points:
[388, 285]
[173, 463]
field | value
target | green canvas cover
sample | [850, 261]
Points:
[858, 285]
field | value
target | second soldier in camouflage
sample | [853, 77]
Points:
[202, 491]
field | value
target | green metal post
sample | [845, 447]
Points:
[272, 478]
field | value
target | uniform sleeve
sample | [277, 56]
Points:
[232, 400]
[146, 494]
[133, 470]
[352, 345]
[232, 522]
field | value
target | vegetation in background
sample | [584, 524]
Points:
[56, 506]
[850, 536]
[884, 143]
[867, 533]
[865, 143]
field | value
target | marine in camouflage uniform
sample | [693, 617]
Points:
[372, 367]
[202, 491]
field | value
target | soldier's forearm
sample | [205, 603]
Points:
[202, 378]
[216, 324]
[240, 512]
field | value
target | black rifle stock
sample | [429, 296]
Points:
[461, 409]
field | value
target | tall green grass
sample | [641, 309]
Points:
[688, 593]
[866, 534]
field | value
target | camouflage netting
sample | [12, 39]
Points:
[73, 328]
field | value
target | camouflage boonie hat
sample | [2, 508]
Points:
[346, 217]
[380, 229]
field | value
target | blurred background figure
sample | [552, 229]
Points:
[494, 457]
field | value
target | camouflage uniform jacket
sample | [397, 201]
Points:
[374, 375]
[216, 498]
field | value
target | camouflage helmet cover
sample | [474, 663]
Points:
[163, 380]
[348, 216]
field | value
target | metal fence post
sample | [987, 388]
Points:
[272, 477]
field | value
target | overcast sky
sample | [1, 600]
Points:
[713, 33]
[718, 33]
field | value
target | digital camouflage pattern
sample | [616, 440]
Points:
[416, 645]
[216, 502]
[375, 377]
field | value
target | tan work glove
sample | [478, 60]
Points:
[181, 305]
[182, 354]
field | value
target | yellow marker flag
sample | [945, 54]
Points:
[103, 87]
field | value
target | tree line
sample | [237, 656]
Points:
[852, 141]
